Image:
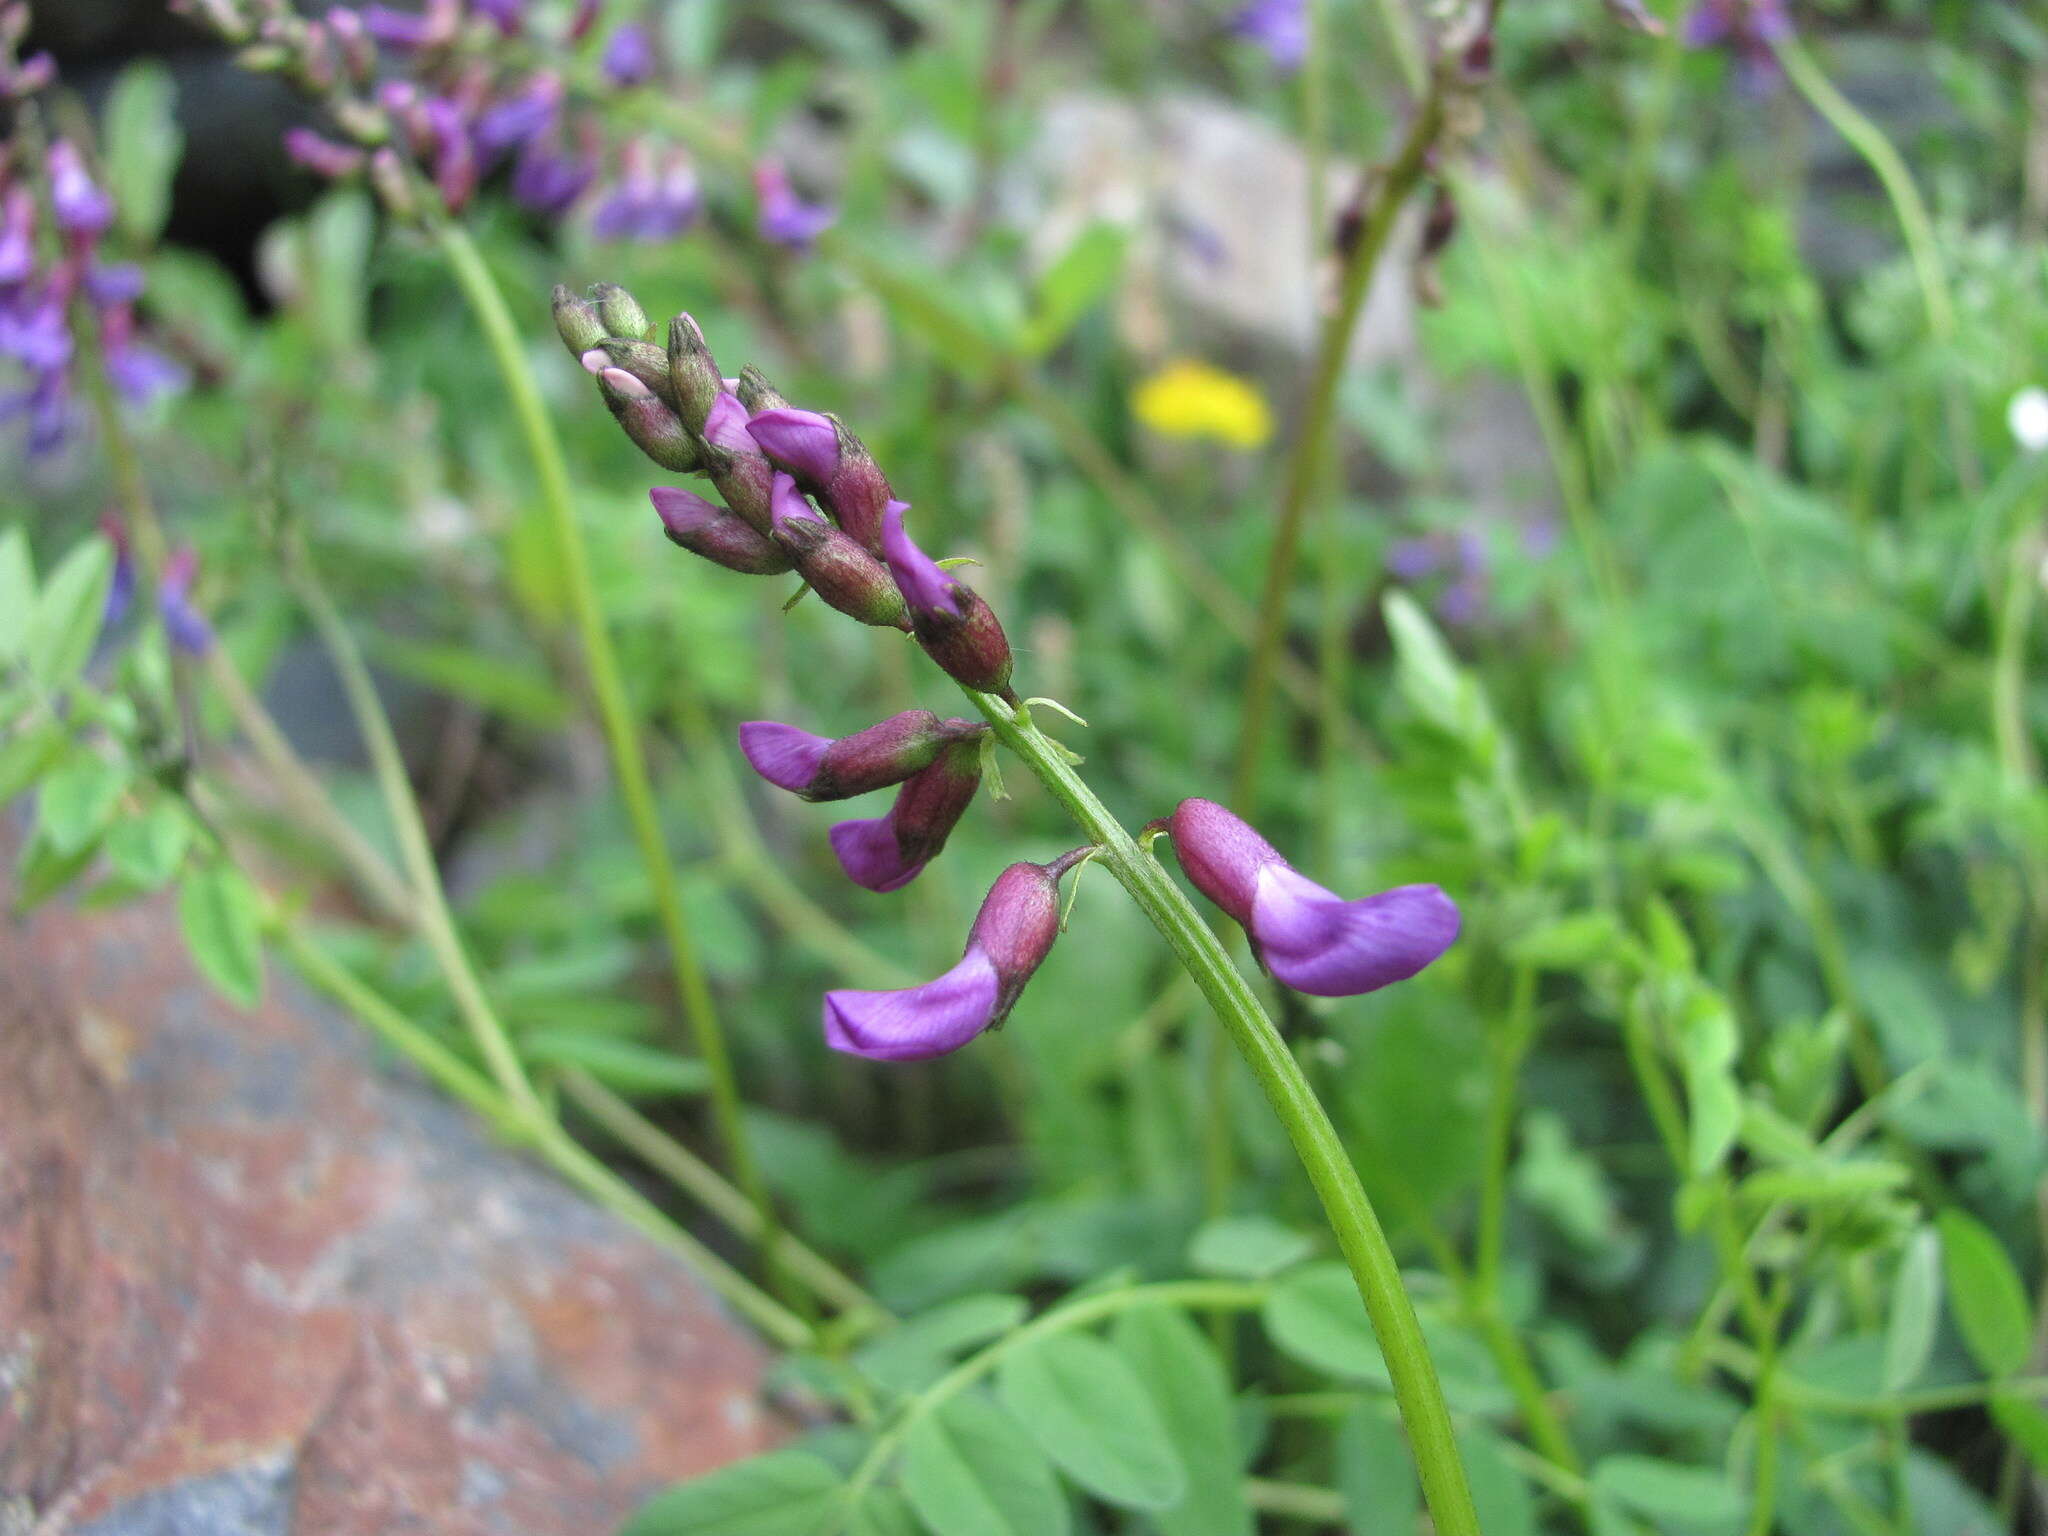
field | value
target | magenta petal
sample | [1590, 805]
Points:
[925, 586]
[786, 502]
[1318, 943]
[800, 441]
[684, 512]
[726, 426]
[871, 855]
[783, 755]
[940, 1016]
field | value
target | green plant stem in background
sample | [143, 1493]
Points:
[1301, 1114]
[436, 922]
[1306, 459]
[615, 712]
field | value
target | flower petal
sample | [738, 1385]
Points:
[924, 583]
[802, 442]
[783, 755]
[909, 1025]
[1316, 942]
[871, 854]
[726, 426]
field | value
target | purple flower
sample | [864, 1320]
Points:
[508, 16]
[17, 236]
[413, 31]
[321, 155]
[454, 157]
[112, 283]
[1413, 559]
[802, 442]
[629, 56]
[121, 590]
[843, 574]
[647, 205]
[141, 374]
[182, 622]
[819, 768]
[956, 628]
[721, 536]
[786, 219]
[34, 333]
[888, 852]
[81, 207]
[547, 180]
[1308, 938]
[1011, 937]
[833, 464]
[518, 119]
[1748, 29]
[1278, 26]
[726, 426]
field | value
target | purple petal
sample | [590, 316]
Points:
[872, 856]
[1278, 26]
[786, 219]
[925, 586]
[402, 30]
[681, 511]
[140, 374]
[117, 282]
[629, 56]
[182, 622]
[508, 16]
[81, 207]
[783, 755]
[916, 1022]
[726, 425]
[786, 503]
[548, 181]
[1221, 853]
[524, 117]
[802, 442]
[1318, 943]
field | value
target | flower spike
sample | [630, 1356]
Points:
[1309, 939]
[1010, 938]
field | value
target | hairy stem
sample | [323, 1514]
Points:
[1315, 1141]
[614, 710]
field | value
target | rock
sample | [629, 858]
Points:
[251, 1282]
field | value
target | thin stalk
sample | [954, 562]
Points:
[1189, 1294]
[1295, 1501]
[1305, 461]
[614, 709]
[436, 922]
[1315, 1140]
[457, 1077]
[690, 1173]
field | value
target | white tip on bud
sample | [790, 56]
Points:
[596, 360]
[618, 380]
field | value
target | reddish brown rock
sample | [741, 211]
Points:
[253, 1282]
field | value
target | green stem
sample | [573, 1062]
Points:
[436, 922]
[1350, 1213]
[1188, 1294]
[614, 710]
[1305, 461]
[697, 1178]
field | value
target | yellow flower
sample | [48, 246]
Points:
[1191, 399]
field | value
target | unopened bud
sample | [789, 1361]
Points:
[740, 470]
[818, 768]
[648, 364]
[757, 394]
[620, 311]
[693, 372]
[886, 853]
[957, 629]
[845, 575]
[577, 322]
[651, 425]
[705, 528]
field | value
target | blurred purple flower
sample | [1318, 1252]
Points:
[1747, 29]
[646, 204]
[80, 206]
[406, 31]
[520, 118]
[508, 16]
[1310, 939]
[189, 631]
[1278, 26]
[111, 283]
[547, 180]
[121, 590]
[320, 155]
[17, 235]
[33, 332]
[629, 56]
[786, 219]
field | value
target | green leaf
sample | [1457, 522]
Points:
[17, 591]
[1316, 1316]
[1431, 680]
[2024, 1424]
[219, 911]
[143, 145]
[1707, 1046]
[882, 1512]
[68, 613]
[1499, 1492]
[785, 1493]
[1191, 1393]
[1374, 1472]
[1985, 1295]
[1914, 1313]
[1670, 1493]
[644, 1071]
[1086, 1409]
[1085, 271]
[1570, 943]
[927, 307]
[1248, 1247]
[969, 1466]
[23, 758]
[915, 1354]
[76, 800]
[43, 872]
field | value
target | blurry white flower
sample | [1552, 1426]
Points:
[2027, 416]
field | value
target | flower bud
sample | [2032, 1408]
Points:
[818, 768]
[697, 382]
[740, 470]
[620, 312]
[845, 575]
[321, 155]
[956, 628]
[886, 853]
[831, 463]
[651, 425]
[648, 364]
[705, 528]
[1011, 936]
[1308, 938]
[577, 322]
